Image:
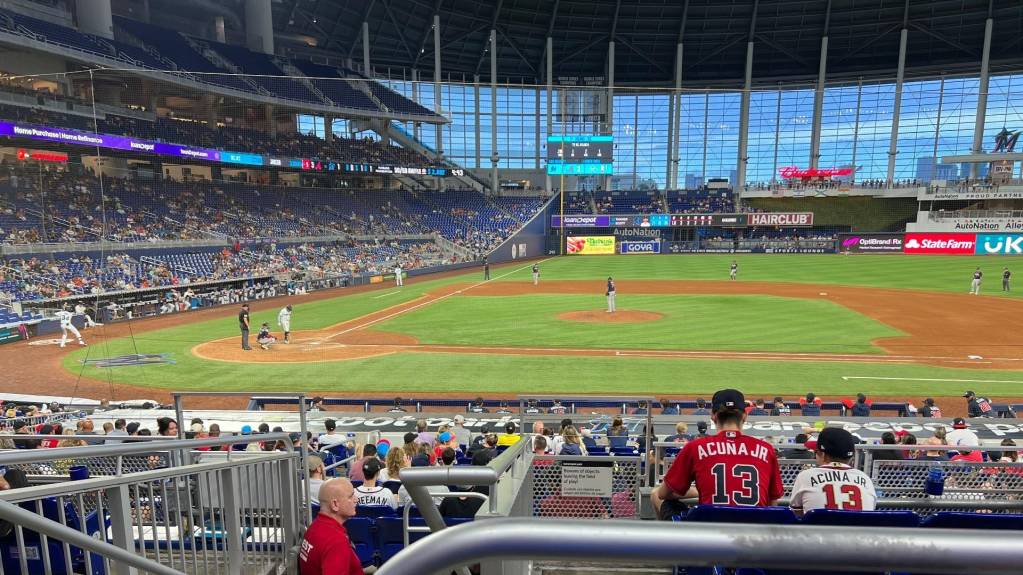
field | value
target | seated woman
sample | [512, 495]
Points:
[264, 339]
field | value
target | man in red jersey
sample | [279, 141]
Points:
[728, 468]
[326, 549]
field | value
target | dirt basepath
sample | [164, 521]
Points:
[947, 330]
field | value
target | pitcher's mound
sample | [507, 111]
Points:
[601, 316]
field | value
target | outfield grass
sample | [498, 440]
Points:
[726, 323]
[412, 373]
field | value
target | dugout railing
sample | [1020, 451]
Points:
[223, 512]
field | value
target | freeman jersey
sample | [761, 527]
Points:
[729, 469]
[833, 486]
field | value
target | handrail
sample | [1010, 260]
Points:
[35, 522]
[14, 456]
[709, 544]
[435, 495]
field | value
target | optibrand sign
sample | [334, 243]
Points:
[1000, 244]
[781, 219]
[937, 243]
[870, 243]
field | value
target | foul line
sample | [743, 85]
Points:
[386, 294]
[848, 377]
[426, 303]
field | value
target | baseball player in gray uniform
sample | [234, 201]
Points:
[975, 284]
[536, 274]
[733, 270]
[610, 295]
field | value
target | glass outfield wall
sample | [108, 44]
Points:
[937, 118]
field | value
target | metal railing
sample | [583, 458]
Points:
[226, 511]
[714, 544]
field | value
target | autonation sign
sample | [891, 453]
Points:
[1000, 244]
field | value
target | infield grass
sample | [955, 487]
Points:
[512, 321]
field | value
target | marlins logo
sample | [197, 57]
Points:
[128, 360]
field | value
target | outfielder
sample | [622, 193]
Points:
[284, 320]
[397, 276]
[733, 270]
[1006, 274]
[65, 326]
[975, 284]
[536, 274]
[610, 295]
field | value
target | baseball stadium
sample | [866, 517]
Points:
[589, 285]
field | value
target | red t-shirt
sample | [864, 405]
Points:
[729, 469]
[326, 550]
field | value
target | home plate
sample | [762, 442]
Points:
[974, 357]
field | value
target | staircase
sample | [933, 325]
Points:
[298, 76]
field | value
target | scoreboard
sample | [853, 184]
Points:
[580, 155]
[774, 219]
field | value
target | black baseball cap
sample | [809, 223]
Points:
[371, 467]
[728, 399]
[701, 426]
[959, 423]
[969, 394]
[835, 442]
[132, 427]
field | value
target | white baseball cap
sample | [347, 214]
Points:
[459, 419]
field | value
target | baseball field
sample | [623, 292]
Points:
[894, 326]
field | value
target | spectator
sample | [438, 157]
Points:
[701, 407]
[833, 484]
[424, 435]
[558, 440]
[462, 435]
[369, 451]
[477, 406]
[316, 404]
[681, 434]
[12, 479]
[888, 438]
[166, 427]
[667, 408]
[107, 427]
[800, 439]
[332, 437]
[503, 408]
[369, 493]
[464, 506]
[1009, 456]
[397, 408]
[729, 456]
[317, 473]
[758, 408]
[557, 408]
[928, 409]
[397, 460]
[573, 442]
[641, 409]
[961, 434]
[509, 437]
[326, 548]
[861, 408]
[410, 445]
[617, 428]
[780, 409]
[701, 429]
[531, 407]
[810, 405]
[119, 431]
[933, 454]
[539, 445]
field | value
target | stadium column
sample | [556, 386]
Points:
[438, 105]
[218, 29]
[328, 128]
[365, 49]
[674, 123]
[259, 26]
[476, 117]
[897, 105]
[982, 89]
[95, 17]
[549, 78]
[740, 166]
[495, 157]
[610, 97]
[818, 95]
[415, 98]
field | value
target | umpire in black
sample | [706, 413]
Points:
[243, 325]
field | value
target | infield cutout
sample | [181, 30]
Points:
[603, 316]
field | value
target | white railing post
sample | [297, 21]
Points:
[119, 506]
[232, 527]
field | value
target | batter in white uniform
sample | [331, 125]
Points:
[284, 320]
[65, 326]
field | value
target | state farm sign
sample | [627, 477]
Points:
[950, 244]
[802, 219]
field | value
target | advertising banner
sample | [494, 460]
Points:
[798, 219]
[870, 243]
[633, 247]
[938, 243]
[581, 221]
[590, 245]
[1000, 244]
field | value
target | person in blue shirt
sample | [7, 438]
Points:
[701, 407]
[758, 408]
[667, 408]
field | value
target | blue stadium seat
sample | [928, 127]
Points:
[54, 549]
[956, 520]
[360, 533]
[617, 441]
[862, 518]
[392, 485]
[723, 514]
[374, 511]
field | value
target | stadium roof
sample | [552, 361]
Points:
[944, 36]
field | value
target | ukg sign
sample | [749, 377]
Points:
[948, 244]
[1000, 244]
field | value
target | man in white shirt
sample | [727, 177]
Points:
[65, 326]
[316, 477]
[462, 435]
[833, 484]
[397, 276]
[284, 320]
[961, 434]
[369, 493]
